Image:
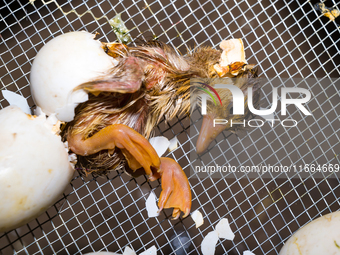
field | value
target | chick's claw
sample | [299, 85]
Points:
[175, 188]
[136, 149]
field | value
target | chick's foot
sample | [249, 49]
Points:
[136, 149]
[140, 155]
[175, 188]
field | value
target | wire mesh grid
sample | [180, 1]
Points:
[284, 38]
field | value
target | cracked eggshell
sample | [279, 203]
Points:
[320, 236]
[34, 168]
[61, 65]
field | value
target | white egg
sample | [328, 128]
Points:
[34, 168]
[320, 236]
[61, 65]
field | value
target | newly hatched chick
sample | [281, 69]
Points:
[111, 129]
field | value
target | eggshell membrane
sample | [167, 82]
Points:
[320, 236]
[61, 65]
[34, 168]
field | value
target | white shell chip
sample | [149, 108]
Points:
[173, 144]
[223, 230]
[17, 100]
[151, 205]
[128, 251]
[160, 144]
[198, 218]
[208, 245]
[151, 251]
[248, 253]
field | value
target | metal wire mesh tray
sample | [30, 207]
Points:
[286, 39]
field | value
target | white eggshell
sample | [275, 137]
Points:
[208, 245]
[223, 230]
[173, 144]
[61, 65]
[17, 100]
[160, 144]
[151, 205]
[248, 253]
[34, 168]
[151, 251]
[320, 236]
[128, 251]
[198, 218]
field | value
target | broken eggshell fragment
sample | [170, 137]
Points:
[34, 167]
[233, 58]
[223, 230]
[60, 66]
[17, 100]
[160, 144]
[198, 218]
[209, 242]
[151, 205]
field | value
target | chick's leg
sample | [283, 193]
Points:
[136, 149]
[175, 188]
[140, 154]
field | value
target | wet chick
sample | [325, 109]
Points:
[111, 129]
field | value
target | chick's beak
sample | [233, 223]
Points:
[208, 133]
